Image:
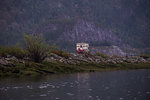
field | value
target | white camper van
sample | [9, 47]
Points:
[82, 47]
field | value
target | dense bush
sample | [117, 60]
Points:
[36, 47]
[3, 52]
[12, 51]
[102, 55]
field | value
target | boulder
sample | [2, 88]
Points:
[11, 58]
[5, 62]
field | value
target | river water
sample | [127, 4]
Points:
[114, 85]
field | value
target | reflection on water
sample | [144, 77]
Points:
[116, 85]
[83, 86]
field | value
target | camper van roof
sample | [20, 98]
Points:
[81, 43]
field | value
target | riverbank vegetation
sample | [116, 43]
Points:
[46, 68]
[36, 57]
[102, 55]
[12, 51]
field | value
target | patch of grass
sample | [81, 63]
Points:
[46, 68]
[12, 51]
[102, 55]
[60, 53]
[59, 67]
[145, 56]
[3, 52]
[115, 56]
[29, 73]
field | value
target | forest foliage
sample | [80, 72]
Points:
[128, 19]
[34, 49]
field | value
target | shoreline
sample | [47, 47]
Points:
[29, 68]
[55, 64]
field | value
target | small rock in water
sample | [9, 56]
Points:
[62, 85]
[65, 83]
[134, 98]
[42, 87]
[148, 92]
[16, 87]
[57, 98]
[31, 95]
[57, 86]
[139, 92]
[50, 91]
[53, 86]
[76, 82]
[71, 86]
[90, 96]
[4, 88]
[70, 94]
[121, 98]
[96, 96]
[129, 91]
[106, 88]
[29, 87]
[90, 89]
[71, 83]
[148, 77]
[43, 95]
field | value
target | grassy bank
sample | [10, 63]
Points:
[47, 68]
[30, 60]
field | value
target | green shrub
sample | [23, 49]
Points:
[102, 55]
[3, 51]
[145, 56]
[13, 51]
[60, 53]
[17, 52]
[36, 47]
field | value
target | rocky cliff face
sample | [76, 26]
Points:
[85, 31]
[110, 50]
[100, 39]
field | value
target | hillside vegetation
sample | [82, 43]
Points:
[124, 22]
